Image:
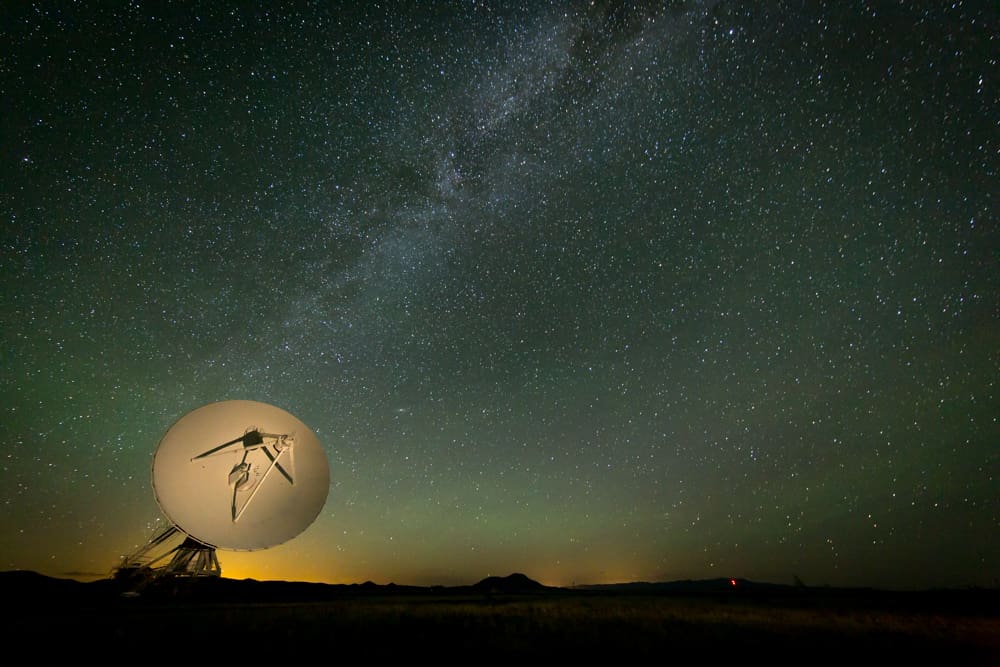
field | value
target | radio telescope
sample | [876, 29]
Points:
[232, 475]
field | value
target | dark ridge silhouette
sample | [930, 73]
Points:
[27, 585]
[34, 590]
[512, 583]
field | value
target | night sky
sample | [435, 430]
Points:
[596, 292]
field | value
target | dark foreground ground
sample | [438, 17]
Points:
[247, 621]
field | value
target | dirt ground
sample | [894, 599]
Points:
[803, 630]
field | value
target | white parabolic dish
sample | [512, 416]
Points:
[240, 475]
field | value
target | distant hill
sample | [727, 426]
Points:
[26, 584]
[513, 583]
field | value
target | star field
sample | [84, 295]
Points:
[591, 291]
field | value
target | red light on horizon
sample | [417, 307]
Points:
[732, 582]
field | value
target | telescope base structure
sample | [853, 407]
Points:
[190, 559]
[193, 559]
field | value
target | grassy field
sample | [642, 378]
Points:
[674, 629]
